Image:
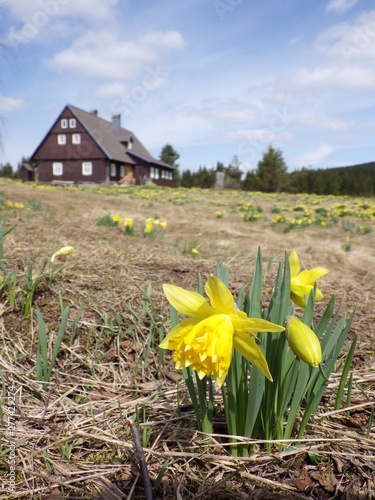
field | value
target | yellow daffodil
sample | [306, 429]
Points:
[128, 222]
[303, 341]
[303, 283]
[63, 251]
[194, 251]
[205, 339]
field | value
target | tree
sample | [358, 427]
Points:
[170, 156]
[6, 170]
[272, 171]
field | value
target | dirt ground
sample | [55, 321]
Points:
[109, 274]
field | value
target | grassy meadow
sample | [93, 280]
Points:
[104, 302]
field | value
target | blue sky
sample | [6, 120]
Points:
[214, 78]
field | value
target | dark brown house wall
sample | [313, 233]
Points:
[72, 171]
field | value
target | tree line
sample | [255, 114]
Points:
[272, 176]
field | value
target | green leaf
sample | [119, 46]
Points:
[344, 375]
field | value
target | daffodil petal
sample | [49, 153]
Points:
[294, 264]
[220, 296]
[250, 350]
[242, 324]
[187, 302]
[177, 334]
[308, 277]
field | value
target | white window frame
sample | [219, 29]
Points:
[156, 173]
[64, 123]
[113, 170]
[86, 168]
[57, 168]
[61, 139]
[151, 172]
[122, 171]
[72, 123]
[76, 138]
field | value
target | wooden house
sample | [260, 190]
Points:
[81, 147]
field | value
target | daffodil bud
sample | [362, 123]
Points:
[303, 341]
[63, 251]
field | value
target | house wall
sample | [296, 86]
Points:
[72, 171]
[142, 172]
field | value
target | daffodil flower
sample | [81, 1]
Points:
[63, 251]
[205, 340]
[303, 341]
[303, 283]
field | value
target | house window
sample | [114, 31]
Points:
[113, 170]
[72, 123]
[64, 123]
[86, 168]
[156, 173]
[57, 168]
[122, 171]
[130, 143]
[76, 138]
[152, 174]
[61, 139]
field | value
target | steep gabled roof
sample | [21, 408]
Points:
[112, 142]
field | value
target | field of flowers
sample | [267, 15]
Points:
[91, 407]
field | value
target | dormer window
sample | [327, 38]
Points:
[130, 143]
[72, 123]
[64, 123]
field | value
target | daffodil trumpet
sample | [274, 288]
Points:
[206, 338]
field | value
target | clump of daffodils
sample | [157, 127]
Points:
[151, 225]
[129, 226]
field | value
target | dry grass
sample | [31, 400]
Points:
[107, 373]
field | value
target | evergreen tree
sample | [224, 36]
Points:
[272, 171]
[170, 156]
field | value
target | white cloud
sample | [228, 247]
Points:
[260, 137]
[222, 112]
[340, 5]
[316, 155]
[103, 55]
[320, 121]
[335, 78]
[9, 104]
[351, 41]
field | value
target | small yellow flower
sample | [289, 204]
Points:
[62, 252]
[303, 283]
[163, 224]
[205, 340]
[149, 225]
[303, 341]
[194, 251]
[128, 222]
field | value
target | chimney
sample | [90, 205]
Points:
[94, 112]
[116, 122]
